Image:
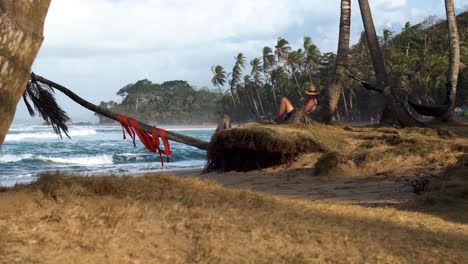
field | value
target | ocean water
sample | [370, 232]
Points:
[29, 150]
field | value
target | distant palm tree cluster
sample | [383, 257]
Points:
[416, 60]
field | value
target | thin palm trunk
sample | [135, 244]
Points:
[454, 65]
[233, 96]
[309, 71]
[257, 112]
[394, 112]
[252, 105]
[260, 102]
[21, 28]
[273, 89]
[297, 83]
[344, 103]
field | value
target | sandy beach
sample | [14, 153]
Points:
[377, 190]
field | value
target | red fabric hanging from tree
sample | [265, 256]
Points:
[151, 142]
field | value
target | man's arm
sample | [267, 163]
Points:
[310, 104]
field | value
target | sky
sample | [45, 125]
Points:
[97, 47]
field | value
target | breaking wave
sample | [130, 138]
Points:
[48, 135]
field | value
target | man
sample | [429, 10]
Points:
[286, 109]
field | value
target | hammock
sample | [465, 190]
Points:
[435, 111]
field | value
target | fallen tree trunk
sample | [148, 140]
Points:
[109, 114]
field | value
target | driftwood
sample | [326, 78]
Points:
[109, 114]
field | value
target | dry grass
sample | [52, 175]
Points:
[447, 195]
[342, 149]
[160, 218]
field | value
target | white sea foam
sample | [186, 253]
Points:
[128, 154]
[25, 128]
[192, 129]
[14, 158]
[49, 135]
[86, 160]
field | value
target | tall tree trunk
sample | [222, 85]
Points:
[327, 108]
[394, 112]
[454, 64]
[21, 29]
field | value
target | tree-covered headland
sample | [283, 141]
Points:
[171, 102]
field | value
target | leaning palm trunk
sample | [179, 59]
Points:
[187, 140]
[233, 96]
[328, 107]
[21, 28]
[261, 104]
[257, 111]
[394, 112]
[454, 65]
[273, 91]
[345, 103]
[259, 100]
[252, 102]
[299, 90]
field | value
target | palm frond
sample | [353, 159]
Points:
[46, 106]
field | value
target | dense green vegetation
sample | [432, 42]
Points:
[416, 59]
[172, 102]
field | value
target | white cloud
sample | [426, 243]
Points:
[389, 4]
[96, 47]
[162, 24]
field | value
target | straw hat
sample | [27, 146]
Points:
[312, 90]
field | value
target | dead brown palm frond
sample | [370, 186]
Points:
[44, 103]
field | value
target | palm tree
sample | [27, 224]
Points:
[251, 98]
[256, 73]
[282, 49]
[394, 112]
[240, 59]
[256, 69]
[268, 59]
[312, 55]
[454, 65]
[25, 19]
[278, 76]
[295, 60]
[219, 77]
[236, 74]
[329, 105]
